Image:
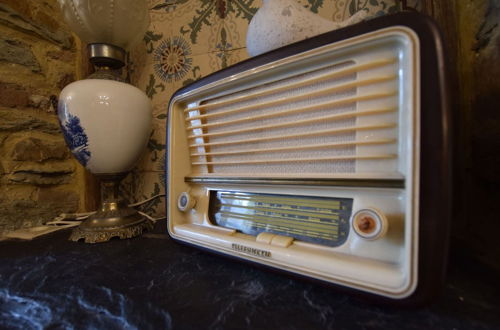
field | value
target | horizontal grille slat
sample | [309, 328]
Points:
[319, 159]
[302, 147]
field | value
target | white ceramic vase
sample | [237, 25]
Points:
[281, 22]
[106, 124]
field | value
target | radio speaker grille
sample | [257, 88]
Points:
[327, 120]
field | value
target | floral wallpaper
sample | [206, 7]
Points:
[189, 39]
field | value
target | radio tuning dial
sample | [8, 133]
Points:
[370, 224]
[185, 202]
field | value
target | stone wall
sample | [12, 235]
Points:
[38, 57]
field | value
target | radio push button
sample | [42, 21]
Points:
[281, 241]
[185, 202]
[265, 237]
[370, 224]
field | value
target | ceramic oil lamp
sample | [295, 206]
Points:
[106, 122]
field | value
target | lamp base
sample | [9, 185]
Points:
[103, 226]
[114, 219]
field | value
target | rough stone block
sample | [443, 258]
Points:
[31, 19]
[51, 197]
[35, 207]
[41, 102]
[13, 95]
[21, 7]
[39, 179]
[55, 168]
[42, 18]
[65, 80]
[63, 55]
[37, 150]
[13, 121]
[17, 52]
[56, 173]
[3, 137]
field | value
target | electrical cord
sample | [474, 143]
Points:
[71, 218]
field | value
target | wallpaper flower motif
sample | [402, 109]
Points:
[314, 5]
[171, 59]
[342, 10]
[221, 8]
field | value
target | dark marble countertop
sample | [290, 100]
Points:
[152, 282]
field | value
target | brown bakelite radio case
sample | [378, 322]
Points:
[328, 159]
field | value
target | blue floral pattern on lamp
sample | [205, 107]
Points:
[76, 139]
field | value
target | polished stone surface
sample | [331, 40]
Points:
[154, 283]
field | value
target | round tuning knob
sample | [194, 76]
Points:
[185, 202]
[370, 224]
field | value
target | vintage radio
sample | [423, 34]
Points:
[328, 158]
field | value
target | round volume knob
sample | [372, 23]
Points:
[370, 224]
[185, 202]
